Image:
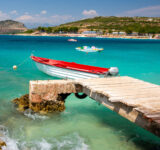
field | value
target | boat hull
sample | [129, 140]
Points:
[65, 73]
[89, 49]
[86, 51]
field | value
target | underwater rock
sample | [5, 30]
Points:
[43, 107]
[48, 106]
[22, 102]
[2, 143]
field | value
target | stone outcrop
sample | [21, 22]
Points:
[22, 103]
[43, 107]
[11, 27]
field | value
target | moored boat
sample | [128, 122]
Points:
[72, 70]
[89, 49]
[72, 40]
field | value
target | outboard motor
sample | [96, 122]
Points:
[113, 71]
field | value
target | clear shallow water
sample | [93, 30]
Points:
[84, 124]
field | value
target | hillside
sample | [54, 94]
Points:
[10, 27]
[141, 25]
[127, 24]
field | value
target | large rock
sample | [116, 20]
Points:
[41, 107]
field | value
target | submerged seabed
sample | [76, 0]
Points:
[84, 124]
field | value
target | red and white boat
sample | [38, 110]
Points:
[72, 70]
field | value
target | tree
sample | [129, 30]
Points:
[29, 31]
[73, 29]
[41, 29]
[109, 31]
[104, 31]
[141, 30]
[48, 30]
[128, 31]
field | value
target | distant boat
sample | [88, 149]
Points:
[72, 70]
[89, 49]
[72, 40]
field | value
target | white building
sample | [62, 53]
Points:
[122, 33]
[89, 32]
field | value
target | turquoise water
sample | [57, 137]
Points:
[84, 124]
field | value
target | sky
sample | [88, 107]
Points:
[55, 12]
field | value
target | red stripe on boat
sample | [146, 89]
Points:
[70, 65]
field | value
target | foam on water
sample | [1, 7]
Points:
[43, 144]
[30, 114]
[12, 144]
[69, 142]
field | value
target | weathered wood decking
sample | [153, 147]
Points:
[136, 100]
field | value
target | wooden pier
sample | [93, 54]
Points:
[136, 100]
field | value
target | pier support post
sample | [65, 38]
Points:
[50, 90]
[50, 95]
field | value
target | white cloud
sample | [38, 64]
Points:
[90, 13]
[25, 18]
[37, 18]
[43, 12]
[152, 11]
[4, 16]
[58, 19]
[14, 12]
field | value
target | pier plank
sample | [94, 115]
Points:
[111, 85]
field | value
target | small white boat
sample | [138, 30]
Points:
[72, 70]
[72, 40]
[89, 49]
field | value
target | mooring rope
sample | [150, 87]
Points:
[23, 61]
[20, 64]
[28, 58]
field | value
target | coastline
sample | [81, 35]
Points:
[87, 35]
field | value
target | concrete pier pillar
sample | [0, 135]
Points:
[49, 90]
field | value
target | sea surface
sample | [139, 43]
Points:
[85, 124]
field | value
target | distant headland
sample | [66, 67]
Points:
[11, 27]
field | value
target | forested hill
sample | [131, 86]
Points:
[127, 24]
[111, 24]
